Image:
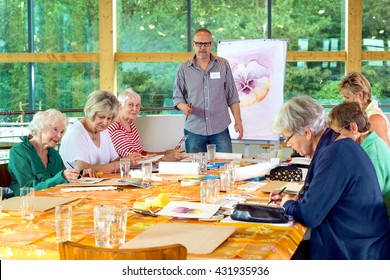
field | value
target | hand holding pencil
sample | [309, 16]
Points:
[272, 195]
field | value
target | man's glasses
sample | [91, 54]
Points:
[288, 138]
[206, 44]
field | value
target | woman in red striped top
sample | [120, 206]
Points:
[124, 133]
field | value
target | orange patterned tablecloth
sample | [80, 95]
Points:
[37, 239]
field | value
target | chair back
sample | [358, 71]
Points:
[74, 251]
[5, 177]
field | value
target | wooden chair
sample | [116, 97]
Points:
[74, 251]
[5, 177]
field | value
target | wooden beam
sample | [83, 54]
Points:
[48, 57]
[353, 36]
[153, 56]
[379, 55]
[107, 45]
[316, 56]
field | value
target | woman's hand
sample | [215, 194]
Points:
[281, 198]
[89, 172]
[71, 174]
[134, 158]
[276, 197]
[172, 155]
[288, 197]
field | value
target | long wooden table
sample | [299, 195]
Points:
[37, 239]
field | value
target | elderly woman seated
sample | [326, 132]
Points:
[35, 162]
[341, 201]
[124, 133]
[87, 142]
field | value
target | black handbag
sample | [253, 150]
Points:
[259, 214]
[287, 173]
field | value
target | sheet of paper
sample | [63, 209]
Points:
[291, 187]
[251, 186]
[87, 180]
[184, 209]
[41, 203]
[150, 159]
[87, 189]
[198, 239]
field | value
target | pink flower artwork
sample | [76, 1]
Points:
[252, 82]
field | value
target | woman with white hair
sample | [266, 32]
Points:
[124, 133]
[35, 162]
[87, 142]
[341, 201]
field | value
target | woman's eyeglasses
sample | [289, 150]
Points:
[288, 138]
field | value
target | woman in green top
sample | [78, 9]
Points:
[35, 162]
[351, 121]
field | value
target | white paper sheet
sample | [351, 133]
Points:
[87, 189]
[184, 209]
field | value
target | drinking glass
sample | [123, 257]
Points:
[124, 165]
[63, 218]
[102, 217]
[27, 203]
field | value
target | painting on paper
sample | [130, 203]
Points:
[258, 68]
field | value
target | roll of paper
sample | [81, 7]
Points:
[252, 171]
[219, 155]
[165, 167]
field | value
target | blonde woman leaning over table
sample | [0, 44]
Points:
[87, 142]
[341, 201]
[355, 87]
[35, 162]
[351, 121]
[124, 134]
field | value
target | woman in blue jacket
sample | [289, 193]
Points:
[341, 201]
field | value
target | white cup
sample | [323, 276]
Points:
[124, 165]
[147, 171]
[63, 218]
[1, 194]
[211, 150]
[27, 203]
[102, 218]
[118, 225]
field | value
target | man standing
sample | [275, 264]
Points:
[204, 90]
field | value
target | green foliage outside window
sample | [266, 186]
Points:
[161, 26]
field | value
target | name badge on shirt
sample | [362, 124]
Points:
[215, 75]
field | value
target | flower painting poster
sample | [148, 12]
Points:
[258, 68]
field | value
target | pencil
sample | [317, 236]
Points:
[80, 176]
[280, 192]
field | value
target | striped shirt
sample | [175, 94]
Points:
[210, 92]
[125, 142]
